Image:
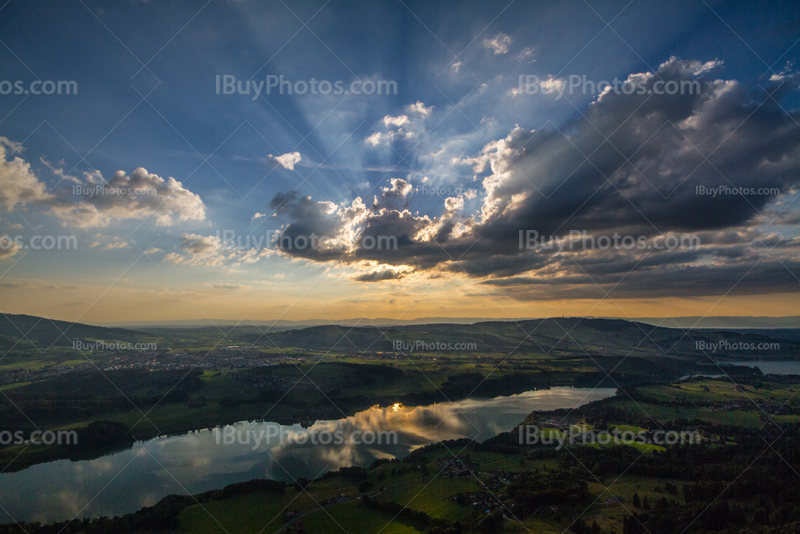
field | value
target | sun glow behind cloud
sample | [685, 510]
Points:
[410, 204]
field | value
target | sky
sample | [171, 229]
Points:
[256, 161]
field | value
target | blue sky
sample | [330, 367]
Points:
[147, 73]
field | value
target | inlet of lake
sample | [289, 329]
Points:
[198, 461]
[773, 367]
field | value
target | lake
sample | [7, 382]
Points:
[198, 461]
[773, 368]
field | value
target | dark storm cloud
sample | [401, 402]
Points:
[745, 278]
[631, 164]
[379, 276]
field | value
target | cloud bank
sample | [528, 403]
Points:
[631, 164]
[94, 201]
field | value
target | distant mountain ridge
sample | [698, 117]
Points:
[724, 322]
[738, 322]
[555, 336]
[280, 323]
[561, 336]
[43, 332]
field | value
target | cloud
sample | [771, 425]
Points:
[396, 195]
[395, 121]
[17, 285]
[646, 159]
[95, 202]
[18, 185]
[202, 251]
[8, 247]
[210, 251]
[552, 85]
[498, 44]
[59, 171]
[138, 195]
[35, 286]
[228, 287]
[528, 54]
[153, 250]
[401, 127]
[198, 244]
[287, 161]
[548, 86]
[117, 245]
[384, 138]
[420, 108]
[380, 276]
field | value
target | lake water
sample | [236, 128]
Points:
[773, 368]
[199, 461]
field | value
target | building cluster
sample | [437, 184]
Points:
[16, 376]
[228, 359]
[458, 467]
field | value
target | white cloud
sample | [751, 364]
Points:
[198, 244]
[97, 203]
[58, 171]
[401, 127]
[498, 44]
[138, 195]
[396, 195]
[228, 287]
[379, 138]
[528, 54]
[552, 85]
[395, 121]
[8, 247]
[211, 251]
[18, 184]
[375, 139]
[420, 108]
[287, 161]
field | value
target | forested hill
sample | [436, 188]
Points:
[559, 336]
[41, 332]
[554, 336]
